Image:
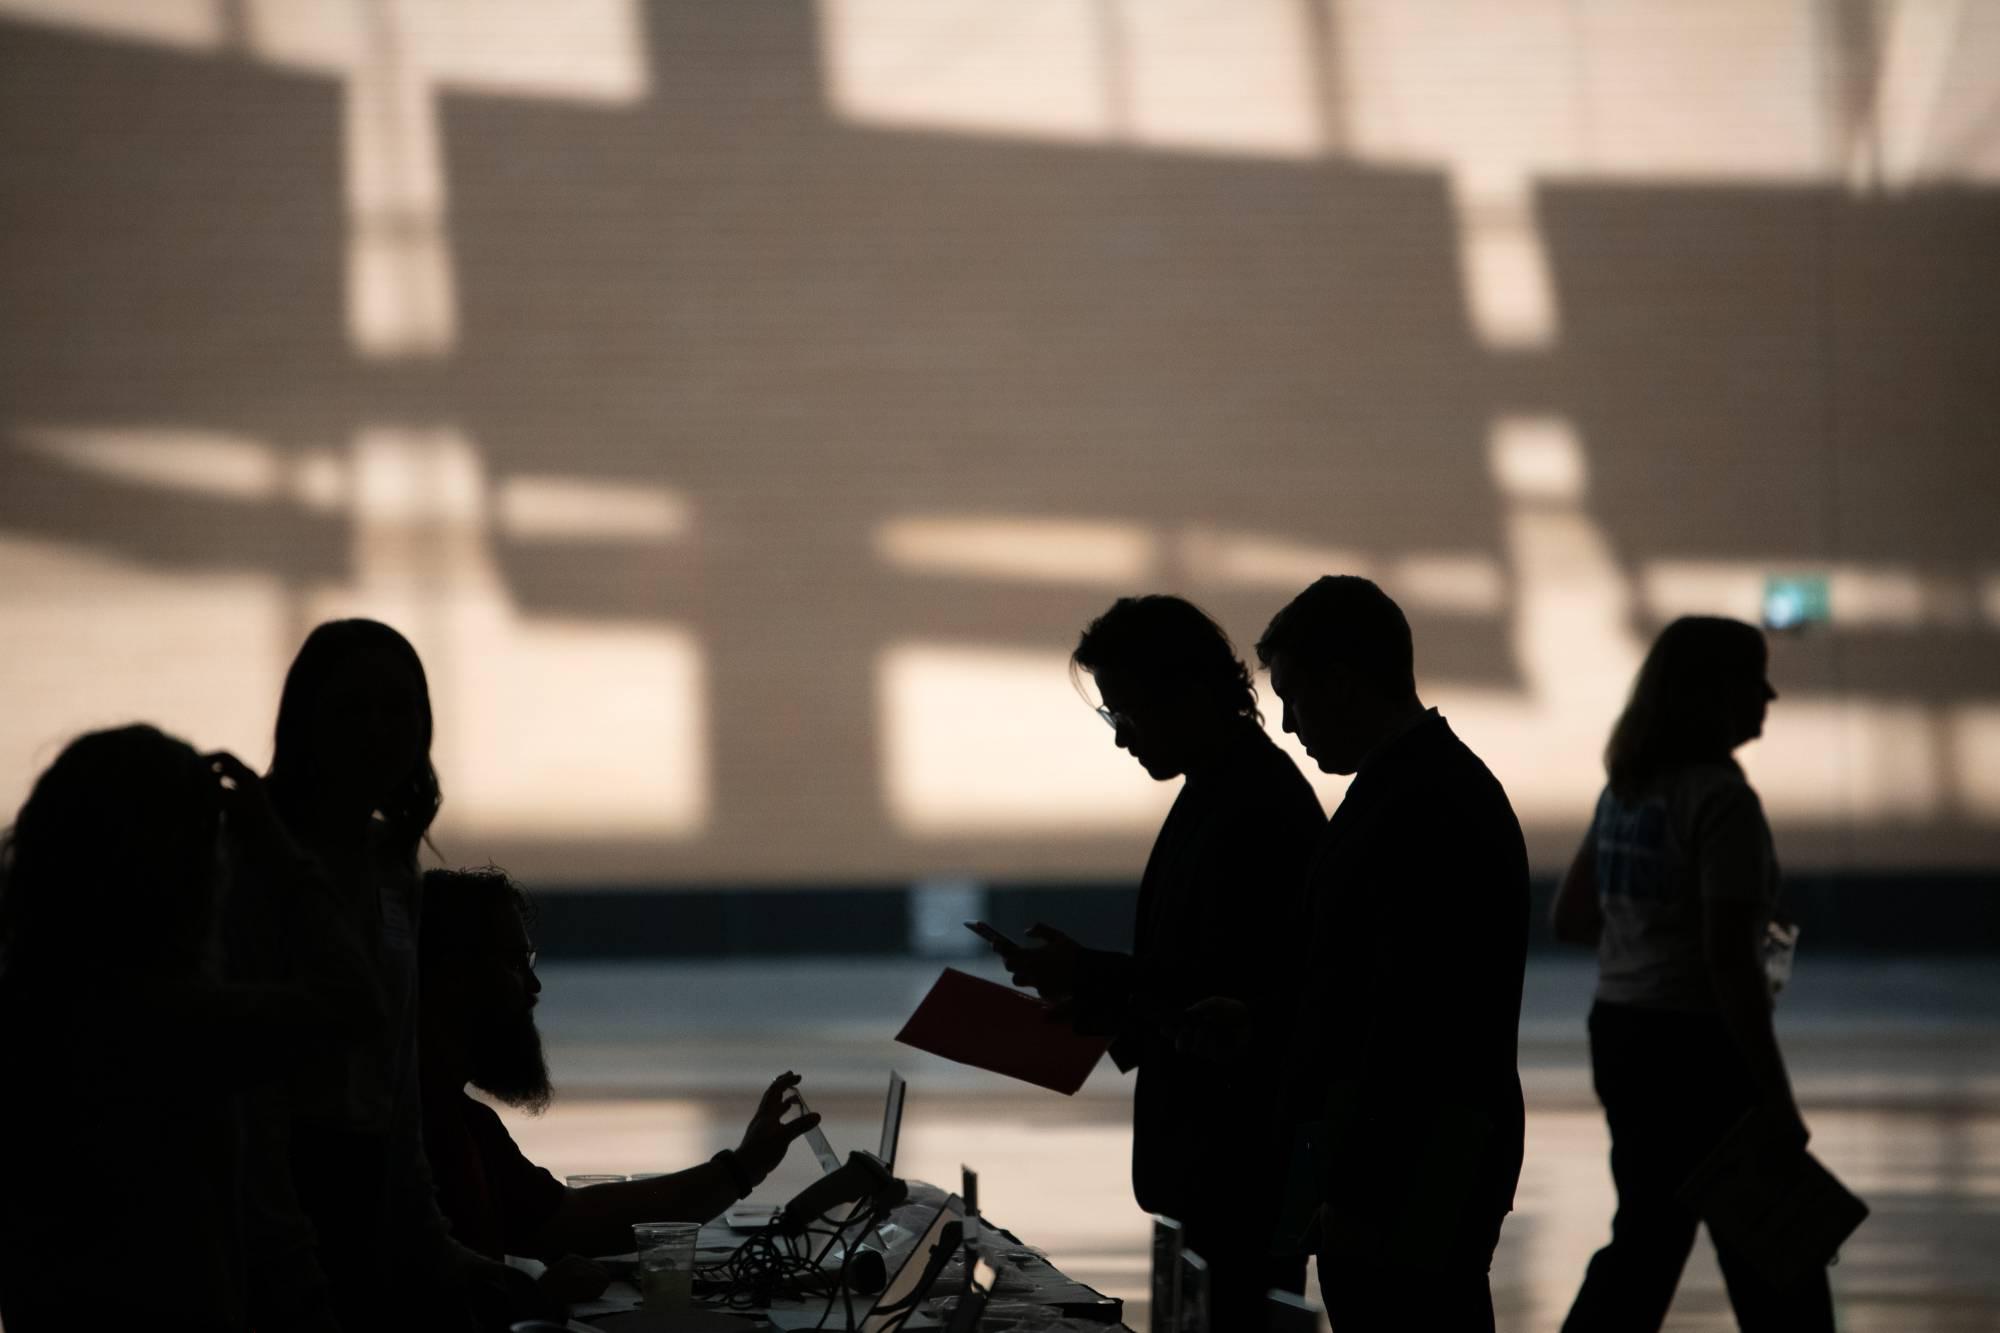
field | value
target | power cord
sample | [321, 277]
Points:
[769, 1264]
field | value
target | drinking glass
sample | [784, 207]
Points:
[666, 1264]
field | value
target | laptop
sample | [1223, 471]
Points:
[755, 1215]
[892, 1121]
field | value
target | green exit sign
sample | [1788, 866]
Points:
[1793, 601]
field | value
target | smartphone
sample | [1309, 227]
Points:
[992, 936]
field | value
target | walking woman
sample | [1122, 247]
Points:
[1676, 884]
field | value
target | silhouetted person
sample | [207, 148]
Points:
[351, 775]
[1419, 893]
[127, 1055]
[1677, 884]
[479, 996]
[1220, 912]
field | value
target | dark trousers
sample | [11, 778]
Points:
[1241, 1270]
[1375, 1299]
[1672, 1085]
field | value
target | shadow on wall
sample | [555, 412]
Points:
[802, 331]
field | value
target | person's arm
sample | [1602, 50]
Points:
[1254, 883]
[1424, 1129]
[1731, 848]
[1731, 938]
[598, 1219]
[1111, 998]
[1436, 900]
[1098, 992]
[298, 979]
[1062, 971]
[1576, 914]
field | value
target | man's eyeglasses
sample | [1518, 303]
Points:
[519, 960]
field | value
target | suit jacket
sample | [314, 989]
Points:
[1419, 894]
[1221, 913]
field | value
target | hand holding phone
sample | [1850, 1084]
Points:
[1051, 968]
[992, 936]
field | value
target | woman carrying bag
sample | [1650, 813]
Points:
[1677, 884]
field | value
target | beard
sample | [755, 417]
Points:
[509, 1066]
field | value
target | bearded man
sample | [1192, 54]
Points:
[478, 1014]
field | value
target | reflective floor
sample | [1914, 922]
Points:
[1896, 1062]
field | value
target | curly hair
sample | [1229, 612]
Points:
[454, 897]
[110, 864]
[1162, 639]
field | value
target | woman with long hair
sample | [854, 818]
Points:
[351, 766]
[128, 1053]
[351, 775]
[1677, 885]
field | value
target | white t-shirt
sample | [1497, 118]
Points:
[1696, 834]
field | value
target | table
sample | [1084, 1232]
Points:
[1029, 1285]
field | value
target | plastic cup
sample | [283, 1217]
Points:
[666, 1264]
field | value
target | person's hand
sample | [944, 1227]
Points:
[1050, 970]
[252, 822]
[574, 1279]
[1788, 1124]
[769, 1134]
[1213, 1029]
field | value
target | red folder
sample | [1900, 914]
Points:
[990, 1026]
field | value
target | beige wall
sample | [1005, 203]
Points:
[743, 405]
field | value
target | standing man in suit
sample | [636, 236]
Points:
[1419, 899]
[1221, 912]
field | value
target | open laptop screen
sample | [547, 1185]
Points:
[892, 1121]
